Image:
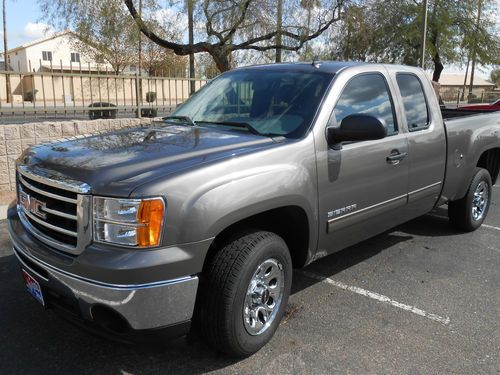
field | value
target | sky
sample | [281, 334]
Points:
[25, 23]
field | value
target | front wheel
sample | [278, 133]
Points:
[244, 293]
[468, 213]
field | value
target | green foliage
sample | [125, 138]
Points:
[29, 96]
[495, 77]
[390, 31]
[150, 96]
[104, 29]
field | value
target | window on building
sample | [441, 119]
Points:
[368, 94]
[46, 55]
[415, 105]
[132, 68]
[75, 57]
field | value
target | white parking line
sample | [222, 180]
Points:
[483, 225]
[490, 226]
[378, 297]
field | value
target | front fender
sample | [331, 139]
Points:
[212, 210]
[203, 201]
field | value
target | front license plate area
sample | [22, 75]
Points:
[33, 287]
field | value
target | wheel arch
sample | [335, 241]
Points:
[490, 160]
[290, 222]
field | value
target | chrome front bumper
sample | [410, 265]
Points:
[144, 306]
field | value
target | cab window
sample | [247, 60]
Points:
[415, 105]
[367, 94]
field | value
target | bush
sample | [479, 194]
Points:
[105, 113]
[148, 112]
[150, 96]
[29, 96]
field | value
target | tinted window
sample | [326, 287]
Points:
[417, 114]
[273, 101]
[46, 55]
[75, 57]
[367, 93]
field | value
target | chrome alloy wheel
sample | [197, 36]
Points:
[480, 201]
[264, 296]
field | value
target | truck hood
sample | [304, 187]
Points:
[114, 164]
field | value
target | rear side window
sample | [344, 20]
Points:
[368, 94]
[415, 105]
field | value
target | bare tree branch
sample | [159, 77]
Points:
[222, 49]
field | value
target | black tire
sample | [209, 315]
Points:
[460, 212]
[223, 289]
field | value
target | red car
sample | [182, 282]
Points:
[495, 106]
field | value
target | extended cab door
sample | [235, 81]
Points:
[426, 138]
[363, 186]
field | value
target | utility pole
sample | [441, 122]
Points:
[279, 27]
[473, 68]
[191, 42]
[424, 34]
[5, 57]
[138, 80]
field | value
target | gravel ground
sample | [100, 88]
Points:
[441, 315]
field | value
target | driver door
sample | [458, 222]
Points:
[363, 186]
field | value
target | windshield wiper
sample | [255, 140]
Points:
[235, 124]
[184, 119]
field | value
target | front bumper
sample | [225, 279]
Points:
[140, 306]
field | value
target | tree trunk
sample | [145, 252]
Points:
[465, 79]
[473, 67]
[222, 59]
[438, 67]
[279, 26]
[191, 41]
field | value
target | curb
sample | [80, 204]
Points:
[3, 212]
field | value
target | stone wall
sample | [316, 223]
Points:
[15, 138]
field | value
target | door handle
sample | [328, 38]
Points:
[395, 157]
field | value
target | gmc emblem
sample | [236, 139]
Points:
[31, 204]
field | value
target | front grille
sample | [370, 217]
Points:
[50, 211]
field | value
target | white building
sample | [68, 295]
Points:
[57, 51]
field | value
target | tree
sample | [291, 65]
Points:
[355, 36]
[390, 31]
[233, 25]
[158, 61]
[105, 33]
[495, 77]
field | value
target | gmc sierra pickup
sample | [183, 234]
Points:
[201, 217]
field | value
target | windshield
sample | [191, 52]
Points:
[277, 102]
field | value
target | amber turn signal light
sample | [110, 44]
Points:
[150, 217]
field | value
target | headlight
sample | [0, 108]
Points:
[130, 222]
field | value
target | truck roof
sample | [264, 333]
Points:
[322, 66]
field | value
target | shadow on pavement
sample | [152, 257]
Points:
[38, 341]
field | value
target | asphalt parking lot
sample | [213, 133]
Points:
[422, 299]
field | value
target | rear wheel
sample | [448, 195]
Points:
[244, 293]
[468, 213]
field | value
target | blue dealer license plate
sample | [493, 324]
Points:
[33, 287]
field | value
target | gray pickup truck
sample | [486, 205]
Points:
[201, 217]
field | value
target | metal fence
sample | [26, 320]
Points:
[453, 97]
[84, 91]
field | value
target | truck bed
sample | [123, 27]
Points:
[468, 136]
[449, 113]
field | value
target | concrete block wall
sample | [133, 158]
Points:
[15, 138]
